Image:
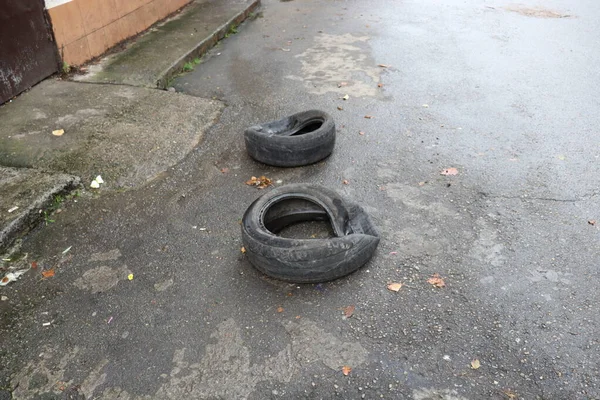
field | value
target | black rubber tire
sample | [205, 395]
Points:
[307, 260]
[292, 141]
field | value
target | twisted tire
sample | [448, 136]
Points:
[300, 139]
[307, 260]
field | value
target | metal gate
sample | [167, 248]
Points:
[27, 50]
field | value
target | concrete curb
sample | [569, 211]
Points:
[206, 44]
[29, 217]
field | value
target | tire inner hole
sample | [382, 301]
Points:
[308, 127]
[298, 219]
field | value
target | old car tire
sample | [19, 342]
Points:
[300, 139]
[307, 260]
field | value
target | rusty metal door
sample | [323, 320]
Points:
[27, 50]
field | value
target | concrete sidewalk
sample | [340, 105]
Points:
[155, 57]
[126, 134]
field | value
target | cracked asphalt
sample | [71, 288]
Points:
[504, 93]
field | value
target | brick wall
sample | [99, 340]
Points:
[85, 29]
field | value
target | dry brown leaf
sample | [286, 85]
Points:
[361, 133]
[260, 182]
[449, 171]
[346, 370]
[368, 116]
[280, 309]
[48, 274]
[349, 311]
[58, 132]
[340, 108]
[394, 286]
[475, 364]
[243, 250]
[384, 65]
[436, 280]
[345, 182]
[537, 12]
[592, 222]
[5, 279]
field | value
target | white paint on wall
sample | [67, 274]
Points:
[54, 3]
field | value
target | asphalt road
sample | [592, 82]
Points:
[504, 93]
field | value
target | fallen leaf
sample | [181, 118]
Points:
[346, 370]
[342, 84]
[349, 311]
[361, 133]
[380, 85]
[384, 65]
[260, 182]
[224, 170]
[243, 250]
[346, 97]
[48, 274]
[536, 12]
[368, 116]
[345, 182]
[449, 171]
[475, 364]
[592, 222]
[5, 280]
[34, 264]
[394, 286]
[436, 280]
[130, 277]
[279, 309]
[340, 108]
[58, 132]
